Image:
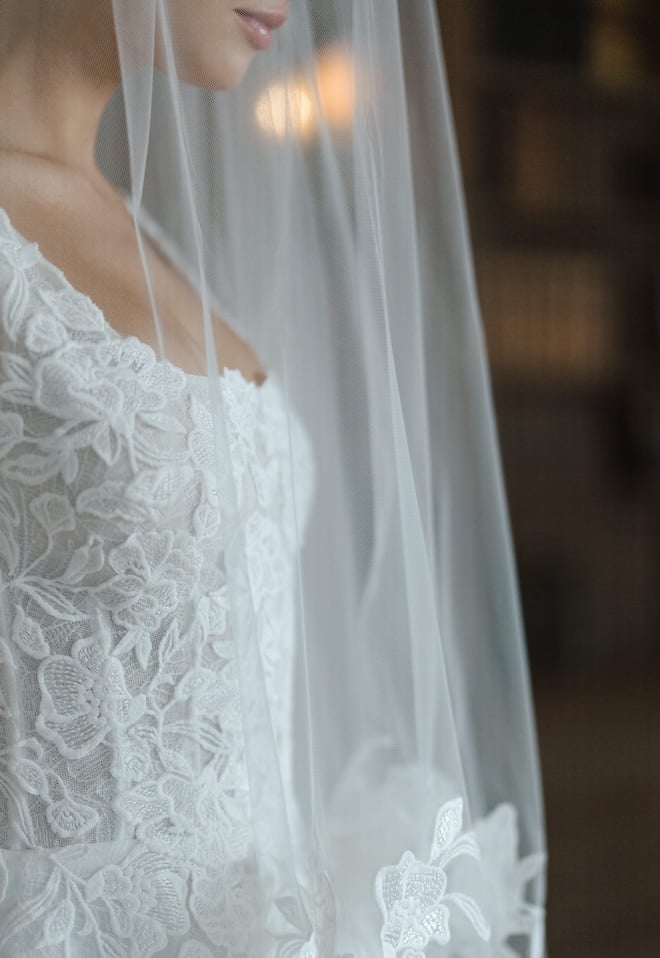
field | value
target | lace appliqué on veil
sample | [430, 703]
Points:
[421, 902]
[414, 895]
[417, 898]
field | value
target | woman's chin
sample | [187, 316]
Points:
[217, 73]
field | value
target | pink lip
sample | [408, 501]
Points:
[272, 19]
[259, 24]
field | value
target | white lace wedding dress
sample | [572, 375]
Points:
[122, 778]
[124, 828]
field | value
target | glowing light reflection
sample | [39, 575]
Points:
[293, 108]
[283, 109]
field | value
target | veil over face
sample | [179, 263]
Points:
[264, 641]
[214, 41]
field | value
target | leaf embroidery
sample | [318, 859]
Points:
[121, 690]
[414, 898]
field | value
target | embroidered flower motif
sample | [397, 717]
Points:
[68, 818]
[28, 635]
[266, 559]
[110, 518]
[153, 579]
[111, 882]
[44, 332]
[84, 697]
[506, 877]
[413, 896]
[75, 312]
[93, 410]
[53, 512]
[195, 949]
[241, 401]
[193, 817]
[88, 559]
[101, 401]
[57, 924]
[146, 899]
[222, 891]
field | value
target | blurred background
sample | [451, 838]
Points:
[557, 106]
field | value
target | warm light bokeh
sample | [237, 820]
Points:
[294, 108]
[336, 87]
[285, 108]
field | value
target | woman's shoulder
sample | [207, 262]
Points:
[16, 251]
[39, 309]
[66, 216]
[32, 195]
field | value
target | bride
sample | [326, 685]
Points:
[60, 67]
[263, 688]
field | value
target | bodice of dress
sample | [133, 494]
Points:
[125, 788]
[122, 779]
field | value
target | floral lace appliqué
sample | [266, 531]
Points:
[124, 806]
[414, 896]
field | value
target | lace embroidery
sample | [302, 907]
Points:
[416, 900]
[505, 877]
[413, 895]
[123, 789]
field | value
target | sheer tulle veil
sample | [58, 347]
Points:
[317, 209]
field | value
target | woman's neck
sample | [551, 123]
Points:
[55, 81]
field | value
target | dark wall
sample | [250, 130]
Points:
[557, 107]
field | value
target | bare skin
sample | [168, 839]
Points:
[52, 95]
[63, 211]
